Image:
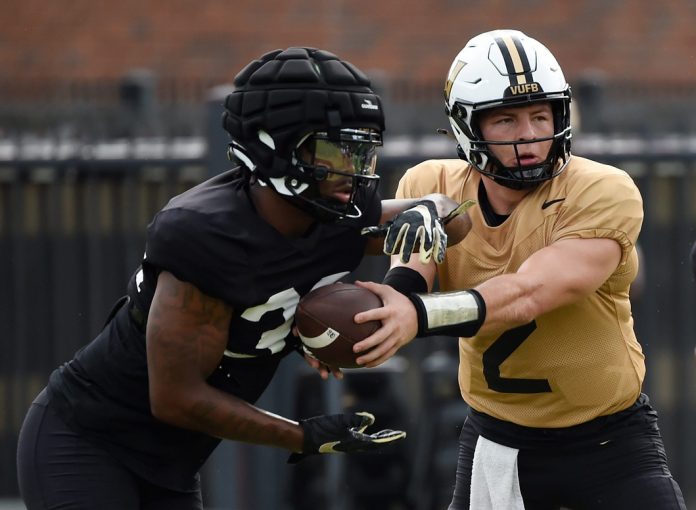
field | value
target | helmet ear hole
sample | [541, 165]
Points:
[292, 182]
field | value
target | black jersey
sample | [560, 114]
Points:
[211, 237]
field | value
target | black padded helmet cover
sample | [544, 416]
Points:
[290, 93]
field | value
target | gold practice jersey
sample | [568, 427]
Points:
[577, 362]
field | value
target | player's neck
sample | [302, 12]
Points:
[503, 200]
[278, 212]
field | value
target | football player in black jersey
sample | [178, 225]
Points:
[538, 294]
[208, 316]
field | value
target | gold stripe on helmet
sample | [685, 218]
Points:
[453, 76]
[516, 60]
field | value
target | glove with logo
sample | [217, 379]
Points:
[417, 226]
[342, 433]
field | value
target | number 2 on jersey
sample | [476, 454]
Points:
[501, 349]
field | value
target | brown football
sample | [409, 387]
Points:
[324, 320]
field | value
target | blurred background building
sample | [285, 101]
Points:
[107, 109]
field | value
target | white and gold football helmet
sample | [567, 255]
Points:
[507, 68]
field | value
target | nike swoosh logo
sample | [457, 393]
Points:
[551, 202]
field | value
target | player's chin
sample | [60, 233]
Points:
[339, 192]
[340, 197]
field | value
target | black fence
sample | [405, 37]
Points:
[71, 232]
[141, 103]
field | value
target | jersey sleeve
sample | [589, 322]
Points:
[420, 180]
[197, 251]
[608, 206]
[405, 186]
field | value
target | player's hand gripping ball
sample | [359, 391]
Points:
[324, 320]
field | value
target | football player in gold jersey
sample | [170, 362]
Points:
[538, 293]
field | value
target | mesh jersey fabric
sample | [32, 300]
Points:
[211, 237]
[584, 359]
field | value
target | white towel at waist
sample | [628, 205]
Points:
[494, 481]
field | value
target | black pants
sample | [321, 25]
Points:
[630, 473]
[58, 468]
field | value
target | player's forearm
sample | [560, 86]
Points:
[218, 414]
[510, 302]
[501, 303]
[245, 422]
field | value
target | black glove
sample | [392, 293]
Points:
[342, 433]
[418, 225]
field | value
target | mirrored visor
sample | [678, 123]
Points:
[354, 154]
